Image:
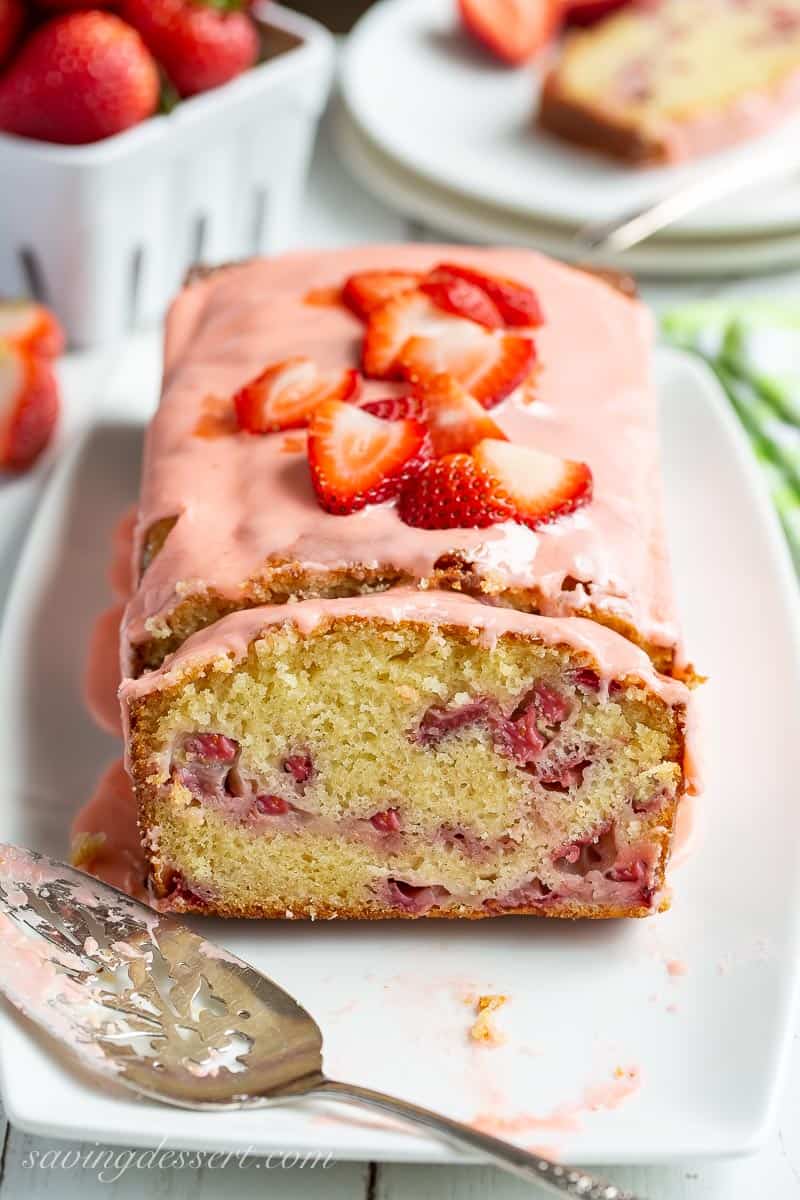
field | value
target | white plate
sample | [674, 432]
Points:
[585, 997]
[459, 216]
[438, 104]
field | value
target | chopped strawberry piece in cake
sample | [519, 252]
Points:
[211, 747]
[368, 290]
[517, 304]
[299, 766]
[357, 459]
[454, 493]
[456, 420]
[412, 898]
[272, 806]
[488, 365]
[387, 821]
[285, 394]
[397, 408]
[454, 294]
[540, 486]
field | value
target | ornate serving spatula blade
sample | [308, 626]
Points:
[144, 1000]
[141, 997]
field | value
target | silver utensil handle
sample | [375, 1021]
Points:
[553, 1177]
[631, 228]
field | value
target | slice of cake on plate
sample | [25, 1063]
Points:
[666, 80]
[403, 642]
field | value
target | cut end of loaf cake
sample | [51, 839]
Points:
[671, 79]
[366, 768]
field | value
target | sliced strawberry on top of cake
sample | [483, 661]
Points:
[367, 290]
[357, 459]
[454, 492]
[540, 486]
[285, 394]
[455, 419]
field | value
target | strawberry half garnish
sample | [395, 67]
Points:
[456, 421]
[30, 327]
[368, 290]
[454, 492]
[390, 327]
[517, 304]
[587, 12]
[540, 486]
[29, 406]
[357, 459]
[285, 394]
[397, 408]
[459, 296]
[488, 365]
[514, 30]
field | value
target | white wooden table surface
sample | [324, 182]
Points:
[337, 213]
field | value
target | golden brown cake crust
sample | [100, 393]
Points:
[563, 116]
[283, 582]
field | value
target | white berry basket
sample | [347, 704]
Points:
[105, 233]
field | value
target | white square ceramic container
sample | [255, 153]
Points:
[105, 233]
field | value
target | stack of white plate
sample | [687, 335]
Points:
[437, 130]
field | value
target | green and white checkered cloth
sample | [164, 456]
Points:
[753, 347]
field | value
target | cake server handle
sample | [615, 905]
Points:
[629, 230]
[553, 1177]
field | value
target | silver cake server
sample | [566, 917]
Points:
[140, 999]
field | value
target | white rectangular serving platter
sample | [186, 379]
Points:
[586, 999]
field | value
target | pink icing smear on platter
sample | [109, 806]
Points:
[102, 677]
[566, 1118]
[594, 350]
[109, 818]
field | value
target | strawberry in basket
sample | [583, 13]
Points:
[200, 44]
[78, 78]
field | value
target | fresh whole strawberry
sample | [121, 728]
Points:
[541, 487]
[454, 492]
[357, 459]
[285, 394]
[28, 406]
[513, 30]
[31, 327]
[12, 18]
[70, 5]
[201, 44]
[79, 78]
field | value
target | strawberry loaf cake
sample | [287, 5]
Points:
[403, 641]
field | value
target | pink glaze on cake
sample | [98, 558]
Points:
[614, 656]
[241, 500]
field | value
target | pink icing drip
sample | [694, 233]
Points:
[111, 811]
[594, 401]
[102, 676]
